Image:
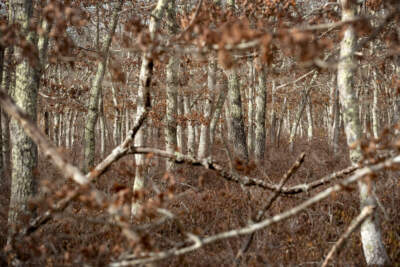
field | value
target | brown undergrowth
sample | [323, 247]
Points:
[205, 204]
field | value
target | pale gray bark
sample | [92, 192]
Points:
[179, 126]
[281, 120]
[237, 136]
[273, 115]
[24, 151]
[95, 91]
[143, 101]
[204, 143]
[375, 107]
[171, 88]
[217, 111]
[374, 251]
[261, 98]
[190, 127]
[336, 121]
[250, 109]
[310, 125]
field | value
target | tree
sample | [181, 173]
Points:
[93, 112]
[374, 251]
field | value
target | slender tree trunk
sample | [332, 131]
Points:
[374, 251]
[280, 126]
[375, 107]
[273, 115]
[95, 91]
[143, 101]
[24, 151]
[179, 126]
[217, 111]
[261, 98]
[310, 125]
[238, 136]
[336, 122]
[250, 109]
[190, 126]
[172, 89]
[5, 120]
[204, 143]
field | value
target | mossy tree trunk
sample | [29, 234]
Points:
[95, 90]
[24, 151]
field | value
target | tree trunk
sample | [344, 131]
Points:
[95, 90]
[374, 251]
[310, 128]
[217, 111]
[261, 98]
[273, 115]
[250, 109]
[238, 136]
[375, 107]
[24, 150]
[205, 126]
[143, 101]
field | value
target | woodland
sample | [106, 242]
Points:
[199, 133]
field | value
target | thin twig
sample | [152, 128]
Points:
[209, 164]
[269, 203]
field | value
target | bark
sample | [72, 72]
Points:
[190, 126]
[93, 113]
[261, 98]
[310, 128]
[374, 251]
[375, 107]
[205, 126]
[280, 126]
[179, 126]
[171, 88]
[336, 122]
[273, 115]
[143, 101]
[237, 136]
[217, 111]
[5, 120]
[24, 151]
[250, 109]
[171, 109]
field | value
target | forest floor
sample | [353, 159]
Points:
[205, 204]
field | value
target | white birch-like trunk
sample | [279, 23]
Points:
[374, 251]
[310, 128]
[375, 107]
[143, 101]
[250, 108]
[207, 109]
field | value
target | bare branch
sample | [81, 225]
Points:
[269, 203]
[116, 154]
[209, 164]
[151, 257]
[364, 214]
